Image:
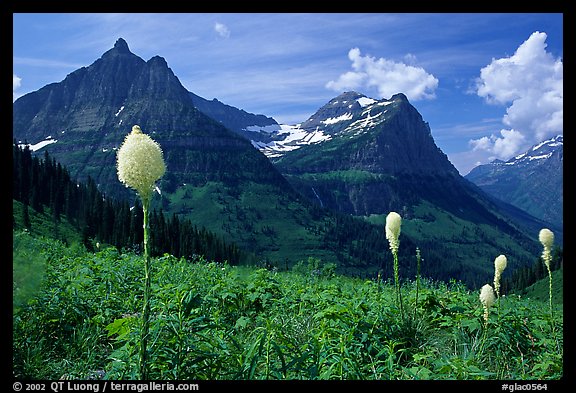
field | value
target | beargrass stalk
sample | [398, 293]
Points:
[546, 237]
[418, 259]
[499, 265]
[487, 299]
[140, 164]
[393, 223]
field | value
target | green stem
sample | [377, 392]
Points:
[484, 333]
[417, 279]
[146, 307]
[550, 296]
[397, 283]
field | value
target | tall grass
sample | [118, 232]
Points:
[214, 321]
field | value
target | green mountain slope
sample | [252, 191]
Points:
[540, 289]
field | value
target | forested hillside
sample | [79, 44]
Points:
[42, 184]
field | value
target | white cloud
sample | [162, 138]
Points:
[386, 76]
[503, 147]
[530, 83]
[222, 30]
[16, 83]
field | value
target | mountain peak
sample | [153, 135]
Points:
[349, 95]
[121, 46]
[531, 181]
[158, 61]
[399, 97]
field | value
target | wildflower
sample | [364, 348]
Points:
[139, 165]
[546, 237]
[140, 162]
[499, 266]
[393, 222]
[487, 299]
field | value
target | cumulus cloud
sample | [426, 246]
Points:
[222, 30]
[16, 83]
[386, 76]
[530, 83]
[503, 147]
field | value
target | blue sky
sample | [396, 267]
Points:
[489, 85]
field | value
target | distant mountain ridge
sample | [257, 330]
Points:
[247, 124]
[532, 181]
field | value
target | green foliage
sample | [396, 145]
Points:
[211, 320]
[27, 268]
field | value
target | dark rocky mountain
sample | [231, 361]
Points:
[376, 156]
[532, 181]
[211, 171]
[87, 115]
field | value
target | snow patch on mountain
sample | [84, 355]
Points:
[365, 101]
[334, 120]
[270, 129]
[540, 151]
[39, 145]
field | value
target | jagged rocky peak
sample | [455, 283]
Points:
[121, 45]
[120, 48]
[158, 61]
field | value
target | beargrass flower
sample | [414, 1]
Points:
[487, 299]
[499, 265]
[140, 162]
[546, 237]
[393, 223]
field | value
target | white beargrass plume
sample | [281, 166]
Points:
[546, 237]
[499, 265]
[140, 164]
[393, 223]
[487, 299]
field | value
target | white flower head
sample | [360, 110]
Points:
[487, 299]
[499, 265]
[393, 223]
[140, 162]
[546, 237]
